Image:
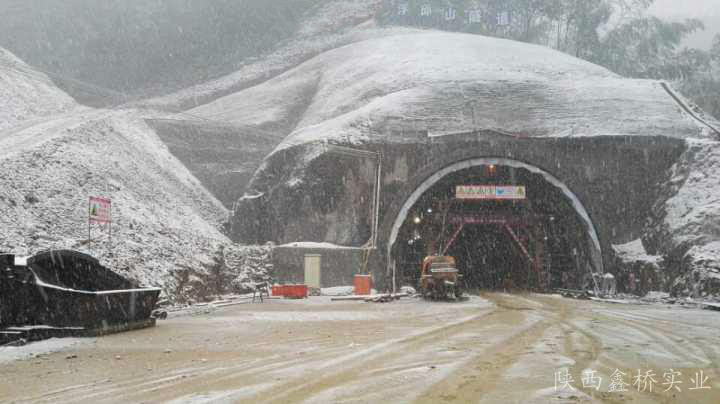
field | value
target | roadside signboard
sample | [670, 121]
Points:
[490, 192]
[99, 210]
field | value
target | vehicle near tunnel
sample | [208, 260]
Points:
[440, 278]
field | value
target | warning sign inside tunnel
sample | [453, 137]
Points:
[514, 192]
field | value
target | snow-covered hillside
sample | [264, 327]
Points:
[55, 154]
[688, 223]
[27, 94]
[450, 82]
[336, 23]
[163, 217]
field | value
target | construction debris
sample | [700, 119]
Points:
[381, 299]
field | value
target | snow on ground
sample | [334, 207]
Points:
[162, 216]
[38, 349]
[27, 94]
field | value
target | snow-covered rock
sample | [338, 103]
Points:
[692, 214]
[687, 225]
[637, 271]
[634, 251]
[27, 94]
[408, 289]
[232, 269]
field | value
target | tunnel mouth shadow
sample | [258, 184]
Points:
[537, 239]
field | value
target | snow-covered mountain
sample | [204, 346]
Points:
[449, 82]
[335, 23]
[223, 154]
[339, 78]
[387, 81]
[52, 160]
[26, 94]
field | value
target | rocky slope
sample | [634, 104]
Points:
[26, 94]
[224, 155]
[52, 160]
[686, 225]
[162, 215]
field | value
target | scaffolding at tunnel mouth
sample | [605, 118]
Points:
[539, 241]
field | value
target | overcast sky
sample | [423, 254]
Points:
[706, 10]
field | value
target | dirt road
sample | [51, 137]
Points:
[490, 349]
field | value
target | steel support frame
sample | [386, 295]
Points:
[504, 222]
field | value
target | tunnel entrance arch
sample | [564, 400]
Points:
[590, 247]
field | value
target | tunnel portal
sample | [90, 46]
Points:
[508, 226]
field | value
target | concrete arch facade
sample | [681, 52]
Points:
[610, 181]
[594, 247]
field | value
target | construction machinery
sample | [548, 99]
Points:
[440, 278]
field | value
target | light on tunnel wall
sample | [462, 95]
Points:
[491, 169]
[417, 220]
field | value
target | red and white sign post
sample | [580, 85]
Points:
[99, 211]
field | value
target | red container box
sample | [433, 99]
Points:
[278, 290]
[363, 284]
[290, 291]
[295, 291]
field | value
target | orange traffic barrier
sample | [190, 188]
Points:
[363, 284]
